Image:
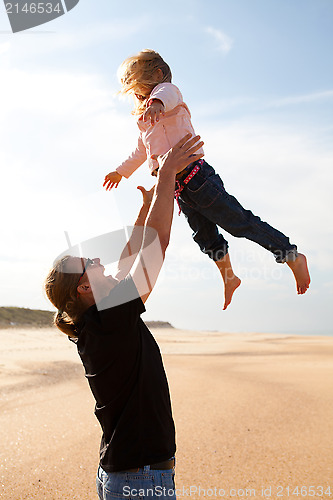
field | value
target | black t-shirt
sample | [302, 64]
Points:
[125, 372]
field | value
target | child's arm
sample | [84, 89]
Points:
[154, 110]
[126, 169]
[163, 98]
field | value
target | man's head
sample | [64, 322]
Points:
[74, 284]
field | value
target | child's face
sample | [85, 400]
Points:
[140, 97]
[141, 92]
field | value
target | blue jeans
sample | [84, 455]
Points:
[206, 205]
[145, 483]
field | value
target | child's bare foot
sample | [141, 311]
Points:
[230, 286]
[230, 280]
[300, 269]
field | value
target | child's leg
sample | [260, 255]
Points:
[212, 243]
[206, 192]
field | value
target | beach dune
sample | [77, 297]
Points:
[253, 415]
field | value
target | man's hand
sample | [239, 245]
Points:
[146, 195]
[154, 111]
[112, 179]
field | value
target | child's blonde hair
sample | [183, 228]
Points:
[137, 74]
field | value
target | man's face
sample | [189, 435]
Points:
[91, 273]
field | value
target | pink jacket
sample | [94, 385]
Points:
[159, 138]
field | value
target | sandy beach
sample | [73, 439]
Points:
[253, 413]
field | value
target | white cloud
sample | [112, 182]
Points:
[223, 42]
[51, 93]
[57, 129]
[301, 99]
[247, 105]
[77, 39]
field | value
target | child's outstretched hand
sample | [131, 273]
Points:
[112, 179]
[154, 111]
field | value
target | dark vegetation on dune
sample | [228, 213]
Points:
[19, 316]
[27, 318]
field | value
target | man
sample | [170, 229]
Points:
[121, 358]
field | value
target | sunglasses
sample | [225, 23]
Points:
[88, 263]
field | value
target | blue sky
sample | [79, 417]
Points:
[257, 76]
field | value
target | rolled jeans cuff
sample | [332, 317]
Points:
[217, 253]
[289, 255]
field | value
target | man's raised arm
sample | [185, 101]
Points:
[159, 219]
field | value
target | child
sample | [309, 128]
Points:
[163, 119]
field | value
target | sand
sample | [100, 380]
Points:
[253, 414]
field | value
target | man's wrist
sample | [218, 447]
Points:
[169, 172]
[142, 215]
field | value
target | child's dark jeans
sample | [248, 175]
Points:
[206, 205]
